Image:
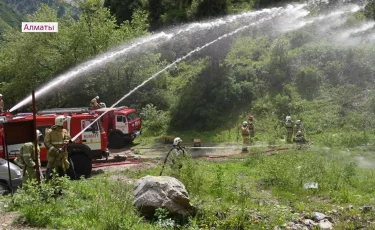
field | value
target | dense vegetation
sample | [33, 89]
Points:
[256, 192]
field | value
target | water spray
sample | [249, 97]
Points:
[177, 61]
[160, 37]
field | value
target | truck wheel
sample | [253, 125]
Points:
[4, 190]
[80, 166]
[116, 141]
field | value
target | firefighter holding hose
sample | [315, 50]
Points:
[175, 156]
[55, 140]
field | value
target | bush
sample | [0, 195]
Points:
[155, 121]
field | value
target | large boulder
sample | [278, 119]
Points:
[152, 192]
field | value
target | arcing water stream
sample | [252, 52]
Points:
[154, 39]
[273, 14]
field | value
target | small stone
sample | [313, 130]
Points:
[366, 208]
[334, 211]
[318, 216]
[350, 207]
[325, 224]
[276, 228]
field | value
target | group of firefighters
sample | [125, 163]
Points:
[55, 139]
[294, 132]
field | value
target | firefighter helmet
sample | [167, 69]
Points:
[1, 95]
[97, 97]
[244, 123]
[59, 121]
[176, 141]
[299, 132]
[38, 133]
[298, 122]
[288, 118]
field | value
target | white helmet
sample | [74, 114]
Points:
[97, 97]
[1, 95]
[298, 122]
[38, 133]
[244, 123]
[288, 118]
[59, 121]
[299, 132]
[176, 141]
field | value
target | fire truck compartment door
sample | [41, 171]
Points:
[13, 150]
[122, 124]
[91, 136]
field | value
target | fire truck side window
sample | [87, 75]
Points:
[92, 128]
[119, 118]
[132, 116]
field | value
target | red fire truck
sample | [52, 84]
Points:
[121, 124]
[91, 144]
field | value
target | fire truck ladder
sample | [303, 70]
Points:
[64, 111]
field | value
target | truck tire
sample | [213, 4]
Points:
[4, 189]
[80, 165]
[116, 141]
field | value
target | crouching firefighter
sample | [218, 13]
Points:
[175, 156]
[26, 159]
[300, 139]
[55, 140]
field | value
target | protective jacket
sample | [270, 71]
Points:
[26, 161]
[289, 130]
[54, 140]
[1, 106]
[300, 139]
[251, 128]
[298, 128]
[94, 104]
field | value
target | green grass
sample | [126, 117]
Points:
[257, 192]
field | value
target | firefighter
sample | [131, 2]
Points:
[94, 104]
[245, 132]
[251, 127]
[54, 140]
[177, 154]
[1, 103]
[300, 139]
[298, 127]
[26, 159]
[289, 129]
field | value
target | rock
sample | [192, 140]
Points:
[350, 207]
[318, 216]
[152, 192]
[366, 208]
[325, 224]
[276, 228]
[309, 222]
[311, 185]
[300, 227]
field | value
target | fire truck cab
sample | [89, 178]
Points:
[121, 124]
[91, 144]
